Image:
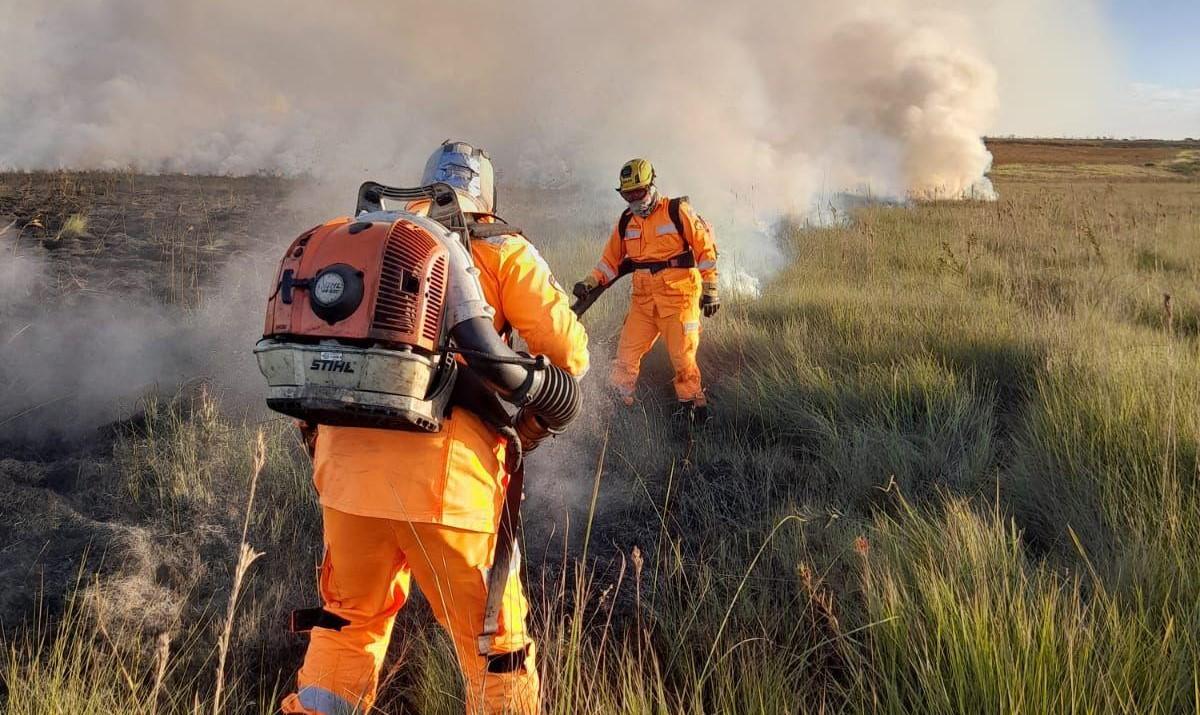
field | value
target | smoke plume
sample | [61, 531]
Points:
[756, 112]
[777, 101]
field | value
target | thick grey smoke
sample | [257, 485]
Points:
[70, 362]
[756, 112]
[778, 100]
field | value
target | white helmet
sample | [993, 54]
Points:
[468, 170]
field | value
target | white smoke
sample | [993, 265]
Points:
[780, 100]
[20, 272]
[756, 112]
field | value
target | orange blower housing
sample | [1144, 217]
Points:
[390, 279]
[380, 321]
[356, 330]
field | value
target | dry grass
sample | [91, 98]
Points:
[74, 226]
[1057, 160]
[1106, 172]
[1068, 152]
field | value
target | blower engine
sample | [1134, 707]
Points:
[380, 321]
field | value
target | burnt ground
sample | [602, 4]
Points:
[93, 262]
[145, 237]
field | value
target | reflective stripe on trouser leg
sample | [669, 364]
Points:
[681, 333]
[313, 700]
[450, 566]
[637, 337]
[364, 579]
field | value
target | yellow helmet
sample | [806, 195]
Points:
[636, 174]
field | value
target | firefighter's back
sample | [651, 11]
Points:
[456, 476]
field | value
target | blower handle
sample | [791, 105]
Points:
[443, 201]
[583, 302]
[371, 195]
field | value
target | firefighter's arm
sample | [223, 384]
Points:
[700, 238]
[605, 271]
[539, 310]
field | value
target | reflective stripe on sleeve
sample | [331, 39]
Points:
[607, 272]
[706, 265]
[691, 327]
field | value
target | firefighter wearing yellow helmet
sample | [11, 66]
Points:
[673, 255]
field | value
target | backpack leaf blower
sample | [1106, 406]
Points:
[380, 321]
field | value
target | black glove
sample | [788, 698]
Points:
[710, 302]
[580, 290]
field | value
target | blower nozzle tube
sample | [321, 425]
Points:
[556, 401]
[542, 391]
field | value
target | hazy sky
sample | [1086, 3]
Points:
[1159, 53]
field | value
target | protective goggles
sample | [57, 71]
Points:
[634, 194]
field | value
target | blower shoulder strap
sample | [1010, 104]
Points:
[623, 223]
[491, 229]
[673, 212]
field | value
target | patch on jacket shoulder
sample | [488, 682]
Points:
[537, 257]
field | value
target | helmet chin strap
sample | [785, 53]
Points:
[645, 205]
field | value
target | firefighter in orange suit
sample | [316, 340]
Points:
[403, 506]
[674, 260]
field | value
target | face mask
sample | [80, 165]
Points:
[643, 206]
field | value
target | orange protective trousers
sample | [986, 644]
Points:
[403, 505]
[681, 332]
[365, 578]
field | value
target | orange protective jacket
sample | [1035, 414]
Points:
[454, 477]
[655, 238]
